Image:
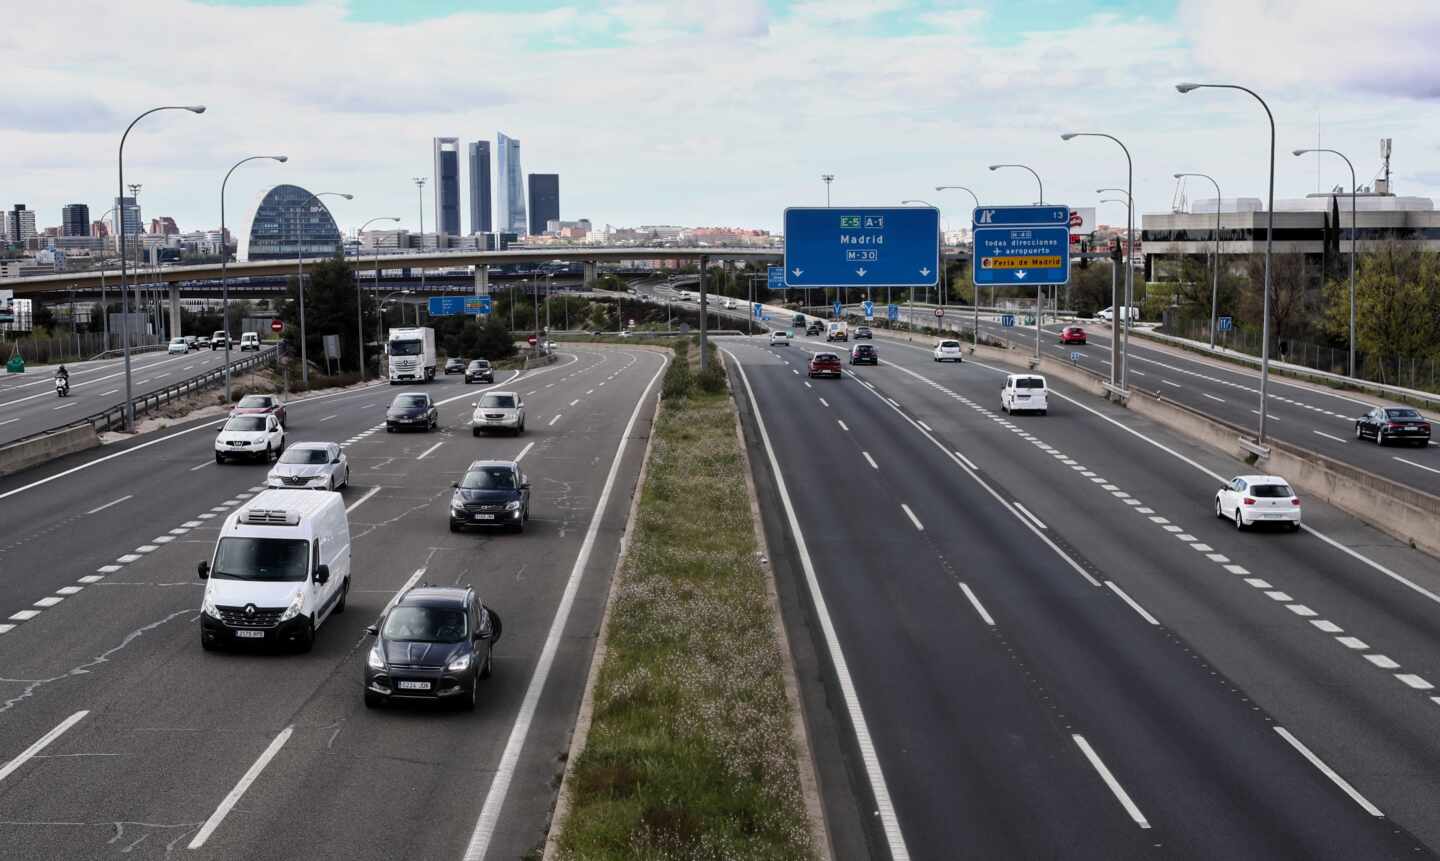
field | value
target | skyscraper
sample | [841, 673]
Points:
[75, 220]
[131, 209]
[20, 226]
[510, 194]
[447, 186]
[480, 187]
[291, 222]
[544, 200]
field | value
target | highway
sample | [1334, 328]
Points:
[123, 738]
[1035, 639]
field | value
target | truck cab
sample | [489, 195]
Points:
[411, 354]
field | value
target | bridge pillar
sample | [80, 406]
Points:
[589, 274]
[174, 310]
[482, 279]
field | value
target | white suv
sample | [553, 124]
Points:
[253, 436]
[1024, 392]
[948, 351]
[498, 411]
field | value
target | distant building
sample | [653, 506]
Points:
[131, 210]
[165, 226]
[384, 241]
[544, 200]
[20, 225]
[480, 221]
[75, 220]
[290, 222]
[568, 229]
[99, 228]
[510, 193]
[447, 186]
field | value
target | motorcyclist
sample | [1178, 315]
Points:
[63, 374]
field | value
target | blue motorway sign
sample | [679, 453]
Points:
[477, 305]
[1224, 324]
[448, 306]
[839, 309]
[892, 311]
[1021, 245]
[867, 246]
[1018, 216]
[869, 307]
[758, 311]
[775, 277]
[1007, 319]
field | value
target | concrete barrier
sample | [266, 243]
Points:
[45, 447]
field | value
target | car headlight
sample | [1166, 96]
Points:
[208, 607]
[459, 665]
[457, 503]
[512, 505]
[376, 661]
[295, 604]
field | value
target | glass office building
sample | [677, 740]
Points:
[510, 195]
[544, 201]
[291, 222]
[480, 187]
[447, 186]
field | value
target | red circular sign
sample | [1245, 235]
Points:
[939, 312]
[531, 339]
[276, 325]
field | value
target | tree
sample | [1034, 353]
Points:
[330, 309]
[1397, 308]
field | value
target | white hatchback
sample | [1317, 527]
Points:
[1024, 393]
[178, 345]
[1251, 499]
[948, 351]
[779, 339]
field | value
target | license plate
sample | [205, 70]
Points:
[250, 635]
[484, 517]
[414, 686]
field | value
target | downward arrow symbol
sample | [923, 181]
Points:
[860, 271]
[797, 271]
[925, 271]
[1020, 273]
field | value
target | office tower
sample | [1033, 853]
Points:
[131, 210]
[20, 225]
[75, 220]
[480, 187]
[291, 222]
[544, 201]
[510, 191]
[447, 186]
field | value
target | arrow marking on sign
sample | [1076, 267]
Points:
[797, 271]
[1020, 273]
[860, 271]
[925, 271]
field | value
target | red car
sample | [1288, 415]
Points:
[825, 365]
[1072, 335]
[259, 405]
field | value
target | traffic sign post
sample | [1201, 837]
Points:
[866, 246]
[869, 308]
[1022, 245]
[775, 278]
[892, 312]
[1224, 324]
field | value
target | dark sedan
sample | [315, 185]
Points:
[1393, 424]
[412, 412]
[479, 371]
[864, 354]
[259, 405]
[492, 493]
[863, 332]
[436, 643]
[454, 366]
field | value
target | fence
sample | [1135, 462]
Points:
[114, 417]
[70, 348]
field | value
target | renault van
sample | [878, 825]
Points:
[280, 568]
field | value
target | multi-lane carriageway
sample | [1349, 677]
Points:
[120, 737]
[1034, 639]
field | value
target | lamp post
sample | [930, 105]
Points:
[975, 305]
[420, 198]
[828, 178]
[1124, 334]
[1038, 183]
[104, 308]
[354, 276]
[300, 276]
[225, 259]
[1269, 241]
[1354, 232]
[124, 300]
[1215, 285]
[1116, 359]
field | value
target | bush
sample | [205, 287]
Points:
[678, 380]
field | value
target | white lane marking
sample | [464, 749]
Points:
[1384, 662]
[362, 500]
[913, 519]
[201, 466]
[1327, 626]
[574, 402]
[427, 451]
[925, 426]
[807, 385]
[870, 460]
[1420, 465]
[554, 420]
[885, 809]
[24, 615]
[63, 406]
[127, 558]
[91, 578]
[965, 460]
[329, 417]
[235, 794]
[1119, 791]
[1169, 383]
[1271, 417]
[590, 392]
[1329, 772]
[524, 451]
[1300, 610]
[8, 421]
[1329, 436]
[489, 816]
[979, 608]
[824, 402]
[111, 392]
[112, 502]
[1025, 511]
[1239, 570]
[68, 590]
[843, 426]
[48, 601]
[1414, 681]
[41, 743]
[1212, 397]
[1134, 605]
[1352, 643]
[531, 392]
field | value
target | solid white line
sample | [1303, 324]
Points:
[249, 777]
[428, 450]
[1025, 511]
[1144, 614]
[524, 451]
[1168, 383]
[362, 500]
[41, 743]
[1329, 436]
[9, 421]
[329, 417]
[1329, 772]
[965, 460]
[979, 608]
[870, 460]
[843, 426]
[1212, 397]
[113, 502]
[1422, 466]
[1120, 794]
[913, 519]
[485, 823]
[554, 420]
[885, 809]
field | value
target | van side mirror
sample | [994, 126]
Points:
[322, 574]
[372, 630]
[203, 569]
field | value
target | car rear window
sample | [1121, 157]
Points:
[826, 357]
[1270, 491]
[489, 478]
[305, 455]
[950, 345]
[1029, 383]
[1401, 413]
[425, 625]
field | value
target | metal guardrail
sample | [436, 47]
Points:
[145, 348]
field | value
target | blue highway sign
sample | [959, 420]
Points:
[862, 246]
[477, 305]
[1022, 255]
[775, 278]
[445, 306]
[869, 307]
[1022, 216]
[892, 312]
[1224, 324]
[839, 309]
[758, 311]
[1007, 319]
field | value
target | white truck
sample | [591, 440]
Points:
[411, 354]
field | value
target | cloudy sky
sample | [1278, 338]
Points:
[709, 112]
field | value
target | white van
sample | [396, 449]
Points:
[279, 569]
[250, 341]
[1024, 393]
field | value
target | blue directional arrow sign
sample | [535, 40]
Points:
[869, 307]
[892, 312]
[1007, 319]
[867, 246]
[446, 306]
[758, 310]
[775, 277]
[839, 309]
[477, 305]
[1022, 245]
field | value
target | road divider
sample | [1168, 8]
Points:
[45, 447]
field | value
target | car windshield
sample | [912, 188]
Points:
[267, 559]
[489, 478]
[425, 624]
[408, 402]
[950, 345]
[177, 340]
[479, 363]
[246, 423]
[406, 348]
[1401, 413]
[498, 402]
[305, 455]
[826, 357]
[1270, 491]
[1029, 383]
[253, 402]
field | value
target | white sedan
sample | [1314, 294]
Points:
[1252, 499]
[315, 465]
[948, 351]
[251, 437]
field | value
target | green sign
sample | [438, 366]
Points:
[16, 365]
[849, 221]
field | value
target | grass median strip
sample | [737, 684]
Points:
[690, 752]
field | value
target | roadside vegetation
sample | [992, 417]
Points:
[690, 752]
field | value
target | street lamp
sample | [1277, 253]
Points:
[354, 276]
[1354, 232]
[1032, 173]
[124, 300]
[300, 275]
[1215, 285]
[104, 306]
[1116, 359]
[975, 287]
[1124, 334]
[828, 178]
[1269, 241]
[224, 260]
[420, 197]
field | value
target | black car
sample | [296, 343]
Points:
[864, 354]
[479, 371]
[863, 332]
[411, 411]
[435, 643]
[815, 329]
[454, 366]
[492, 493]
[1393, 424]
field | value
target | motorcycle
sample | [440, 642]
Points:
[62, 387]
